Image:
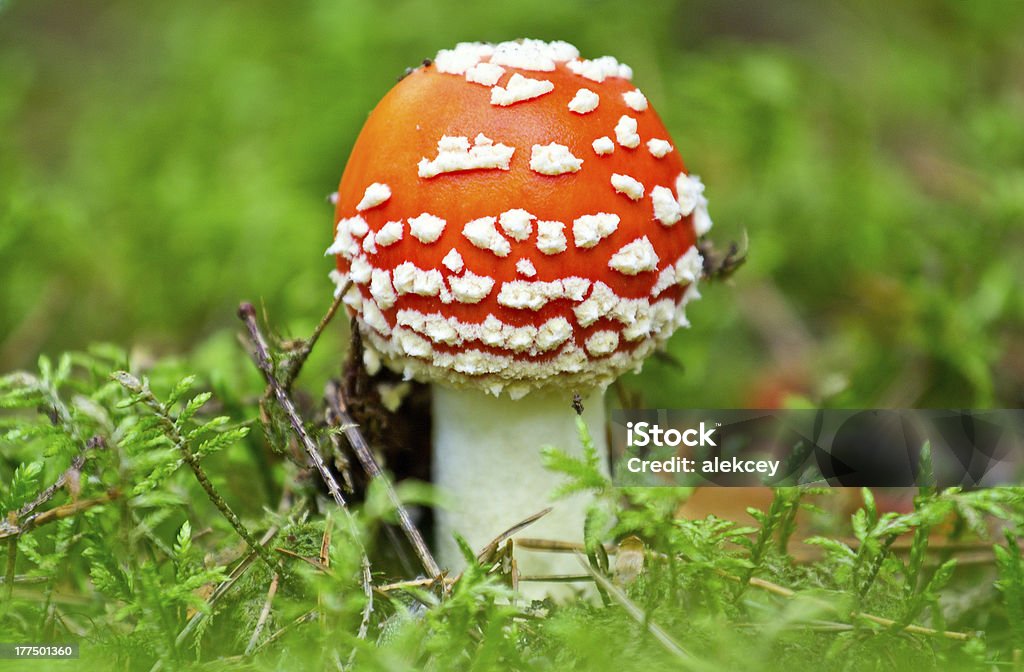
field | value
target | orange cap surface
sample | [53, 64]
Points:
[513, 217]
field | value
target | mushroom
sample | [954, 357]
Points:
[517, 227]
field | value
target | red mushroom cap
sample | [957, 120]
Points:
[514, 217]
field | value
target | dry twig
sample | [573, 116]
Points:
[10, 530]
[782, 591]
[488, 551]
[662, 637]
[248, 315]
[336, 400]
[261, 622]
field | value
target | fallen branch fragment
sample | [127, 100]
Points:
[557, 545]
[298, 359]
[262, 353]
[9, 530]
[491, 548]
[248, 315]
[556, 578]
[686, 660]
[336, 401]
[221, 589]
[45, 495]
[264, 615]
[782, 591]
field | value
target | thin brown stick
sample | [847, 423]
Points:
[25, 579]
[685, 659]
[262, 353]
[556, 578]
[299, 358]
[45, 495]
[12, 559]
[248, 315]
[425, 582]
[488, 551]
[313, 562]
[782, 591]
[336, 398]
[307, 617]
[226, 585]
[556, 545]
[56, 513]
[261, 622]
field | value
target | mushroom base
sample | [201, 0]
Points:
[487, 458]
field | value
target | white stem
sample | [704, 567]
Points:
[487, 459]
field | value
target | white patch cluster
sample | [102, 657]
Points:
[410, 279]
[666, 207]
[625, 132]
[588, 230]
[454, 153]
[571, 366]
[658, 147]
[526, 267]
[690, 267]
[470, 288]
[636, 257]
[346, 231]
[666, 279]
[635, 100]
[487, 74]
[389, 234]
[584, 101]
[495, 333]
[551, 237]
[603, 145]
[599, 304]
[516, 223]
[628, 186]
[690, 192]
[534, 295]
[374, 318]
[410, 344]
[374, 195]
[599, 69]
[492, 331]
[426, 228]
[602, 343]
[358, 226]
[553, 159]
[453, 261]
[359, 271]
[381, 290]
[553, 333]
[482, 233]
[534, 55]
[464, 56]
[518, 89]
[340, 280]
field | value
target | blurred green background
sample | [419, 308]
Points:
[161, 161]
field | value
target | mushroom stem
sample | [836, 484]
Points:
[487, 458]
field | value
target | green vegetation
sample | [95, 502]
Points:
[145, 562]
[160, 162]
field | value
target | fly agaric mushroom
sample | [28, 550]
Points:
[517, 227]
